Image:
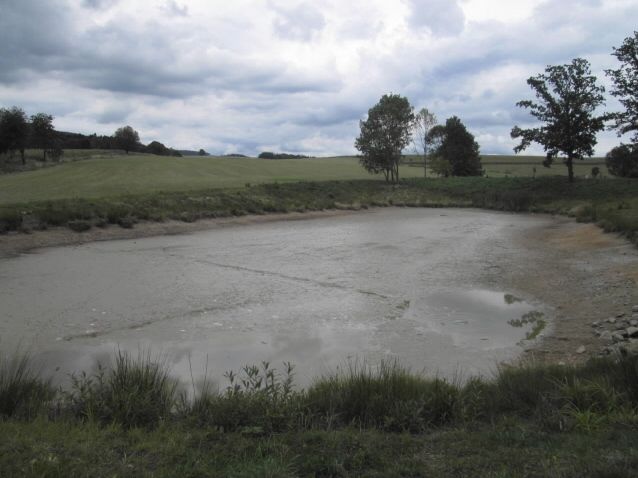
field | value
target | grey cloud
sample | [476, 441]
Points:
[98, 4]
[113, 115]
[172, 8]
[441, 17]
[298, 23]
[33, 36]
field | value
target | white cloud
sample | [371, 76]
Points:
[292, 74]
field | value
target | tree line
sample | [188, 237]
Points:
[567, 101]
[19, 133]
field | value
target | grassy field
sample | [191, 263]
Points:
[130, 420]
[141, 174]
[97, 173]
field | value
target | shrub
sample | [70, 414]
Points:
[623, 161]
[79, 225]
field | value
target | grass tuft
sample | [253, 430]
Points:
[23, 394]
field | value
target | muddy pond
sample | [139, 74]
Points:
[428, 287]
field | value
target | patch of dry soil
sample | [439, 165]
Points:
[588, 276]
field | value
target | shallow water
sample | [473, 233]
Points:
[408, 284]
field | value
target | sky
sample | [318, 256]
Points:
[294, 76]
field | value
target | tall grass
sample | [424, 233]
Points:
[137, 391]
[385, 396]
[23, 393]
[134, 392]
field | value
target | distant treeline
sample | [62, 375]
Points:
[270, 155]
[66, 140]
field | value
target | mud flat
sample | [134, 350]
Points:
[447, 291]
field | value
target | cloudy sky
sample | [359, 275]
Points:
[292, 75]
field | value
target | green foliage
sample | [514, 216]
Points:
[568, 96]
[622, 161]
[14, 131]
[23, 394]
[385, 133]
[625, 80]
[387, 396]
[135, 392]
[258, 400]
[43, 134]
[458, 149]
[127, 138]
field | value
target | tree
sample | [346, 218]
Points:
[14, 131]
[625, 80]
[43, 134]
[202, 152]
[458, 148]
[623, 161]
[568, 97]
[155, 147]
[126, 138]
[424, 121]
[385, 133]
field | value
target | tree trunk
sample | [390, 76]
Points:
[425, 166]
[22, 156]
[44, 155]
[570, 168]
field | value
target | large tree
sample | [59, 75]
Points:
[385, 133]
[625, 87]
[568, 96]
[43, 133]
[14, 131]
[127, 138]
[424, 121]
[457, 148]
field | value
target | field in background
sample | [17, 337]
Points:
[497, 166]
[105, 173]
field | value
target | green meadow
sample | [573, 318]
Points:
[97, 174]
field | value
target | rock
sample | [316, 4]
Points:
[621, 315]
[595, 324]
[633, 322]
[611, 320]
[630, 349]
[616, 337]
[635, 309]
[621, 327]
[632, 332]
[581, 349]
[606, 337]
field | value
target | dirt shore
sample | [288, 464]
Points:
[587, 275]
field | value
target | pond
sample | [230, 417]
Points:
[417, 285]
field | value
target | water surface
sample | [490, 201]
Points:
[408, 284]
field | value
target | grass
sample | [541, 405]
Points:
[143, 174]
[612, 204]
[105, 174]
[530, 420]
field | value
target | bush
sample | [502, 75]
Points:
[258, 400]
[79, 225]
[623, 161]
